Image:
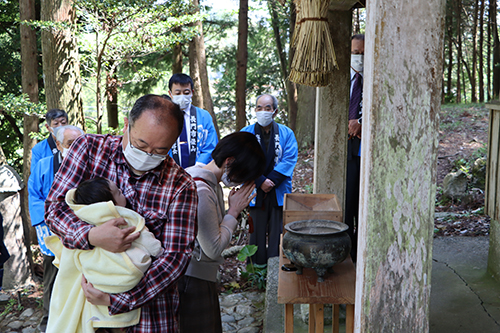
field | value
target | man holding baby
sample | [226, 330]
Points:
[155, 187]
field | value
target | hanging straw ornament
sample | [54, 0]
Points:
[314, 59]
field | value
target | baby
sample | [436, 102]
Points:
[97, 201]
[99, 190]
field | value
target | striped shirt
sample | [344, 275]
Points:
[165, 196]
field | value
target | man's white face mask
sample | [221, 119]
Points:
[264, 118]
[184, 101]
[64, 153]
[140, 160]
[357, 62]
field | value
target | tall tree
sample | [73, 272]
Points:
[458, 22]
[177, 54]
[241, 65]
[290, 87]
[481, 52]
[29, 78]
[198, 58]
[474, 53]
[496, 50]
[61, 65]
[449, 38]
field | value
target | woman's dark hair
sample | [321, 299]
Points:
[92, 191]
[249, 159]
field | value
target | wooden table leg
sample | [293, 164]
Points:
[288, 318]
[349, 318]
[335, 318]
[312, 318]
[319, 318]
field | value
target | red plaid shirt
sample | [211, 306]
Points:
[166, 197]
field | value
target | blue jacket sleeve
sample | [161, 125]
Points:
[207, 136]
[39, 185]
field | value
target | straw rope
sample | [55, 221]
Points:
[314, 59]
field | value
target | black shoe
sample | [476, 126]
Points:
[42, 327]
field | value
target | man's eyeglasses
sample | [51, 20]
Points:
[142, 151]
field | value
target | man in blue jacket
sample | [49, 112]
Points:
[280, 147]
[39, 185]
[198, 137]
[54, 118]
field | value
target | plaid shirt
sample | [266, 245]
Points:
[166, 197]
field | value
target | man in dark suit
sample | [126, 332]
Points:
[354, 142]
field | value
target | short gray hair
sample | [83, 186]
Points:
[59, 131]
[275, 100]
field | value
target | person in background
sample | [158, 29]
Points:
[53, 118]
[280, 147]
[237, 158]
[39, 185]
[198, 137]
[354, 141]
[155, 187]
[4, 253]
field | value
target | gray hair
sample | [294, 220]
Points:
[275, 100]
[59, 131]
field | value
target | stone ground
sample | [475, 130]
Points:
[240, 313]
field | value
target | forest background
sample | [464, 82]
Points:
[95, 58]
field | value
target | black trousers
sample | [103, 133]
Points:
[268, 224]
[352, 196]
[49, 276]
[199, 309]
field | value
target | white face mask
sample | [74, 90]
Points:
[264, 118]
[64, 153]
[184, 101]
[226, 181]
[357, 62]
[140, 160]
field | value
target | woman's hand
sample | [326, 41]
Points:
[240, 198]
[93, 295]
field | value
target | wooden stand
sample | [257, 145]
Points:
[338, 288]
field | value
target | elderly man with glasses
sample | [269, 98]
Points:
[155, 187]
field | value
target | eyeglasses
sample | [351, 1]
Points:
[142, 151]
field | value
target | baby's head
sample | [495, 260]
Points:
[99, 190]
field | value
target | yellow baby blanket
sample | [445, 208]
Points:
[107, 271]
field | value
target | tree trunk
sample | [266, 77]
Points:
[194, 72]
[61, 66]
[474, 54]
[290, 90]
[459, 48]
[496, 51]
[306, 103]
[112, 99]
[177, 54]
[29, 77]
[199, 43]
[241, 65]
[293, 108]
[488, 52]
[449, 35]
[480, 52]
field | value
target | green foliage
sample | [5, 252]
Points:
[12, 110]
[246, 252]
[255, 274]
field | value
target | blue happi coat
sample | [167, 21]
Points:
[284, 164]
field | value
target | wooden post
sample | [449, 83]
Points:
[492, 200]
[332, 111]
[402, 91]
